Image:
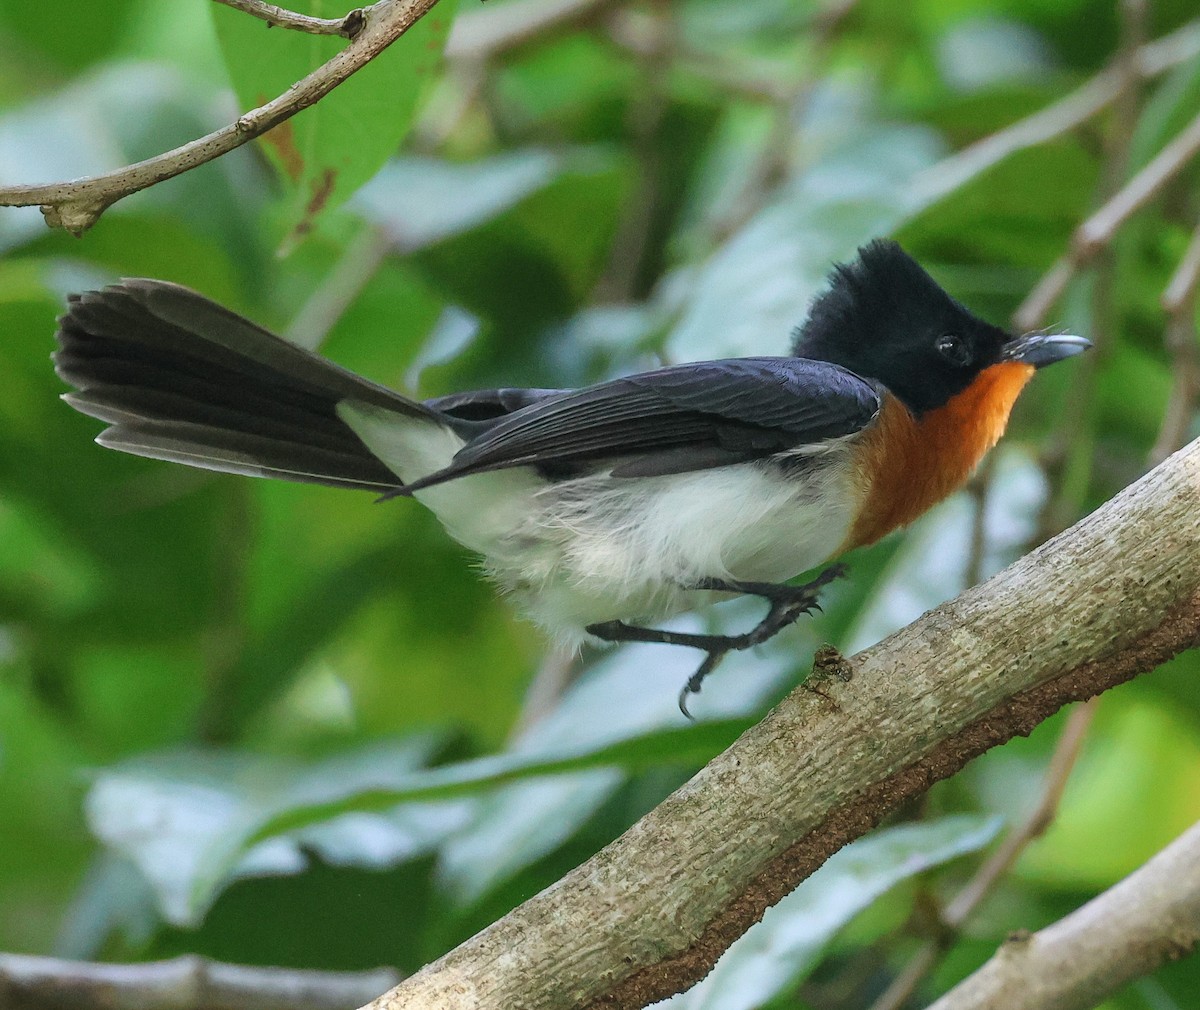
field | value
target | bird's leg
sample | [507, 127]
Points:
[787, 604]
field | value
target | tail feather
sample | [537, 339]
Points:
[254, 456]
[180, 378]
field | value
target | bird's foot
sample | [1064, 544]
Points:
[787, 605]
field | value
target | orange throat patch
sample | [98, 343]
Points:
[907, 465]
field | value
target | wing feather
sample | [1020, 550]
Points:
[679, 418]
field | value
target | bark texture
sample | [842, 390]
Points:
[1150, 917]
[1114, 596]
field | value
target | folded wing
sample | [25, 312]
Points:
[686, 417]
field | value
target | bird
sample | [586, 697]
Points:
[606, 509]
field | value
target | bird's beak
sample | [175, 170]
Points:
[1041, 349]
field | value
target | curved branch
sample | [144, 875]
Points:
[76, 205]
[1149, 918]
[1114, 596]
[183, 983]
[277, 17]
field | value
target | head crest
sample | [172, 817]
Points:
[884, 318]
[883, 288]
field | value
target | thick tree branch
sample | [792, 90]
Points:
[277, 17]
[1116, 595]
[76, 205]
[1149, 918]
[183, 983]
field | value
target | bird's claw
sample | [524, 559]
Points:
[786, 605]
[696, 680]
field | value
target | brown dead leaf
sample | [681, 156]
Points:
[282, 140]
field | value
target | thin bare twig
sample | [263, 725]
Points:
[183, 983]
[1179, 304]
[1075, 444]
[76, 205]
[633, 32]
[955, 915]
[1058, 771]
[1075, 109]
[546, 689]
[623, 278]
[978, 490]
[1179, 298]
[484, 33]
[770, 165]
[446, 110]
[347, 26]
[1098, 230]
[359, 263]
[1123, 80]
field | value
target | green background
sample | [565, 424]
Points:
[287, 725]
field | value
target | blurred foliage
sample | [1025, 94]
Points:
[230, 709]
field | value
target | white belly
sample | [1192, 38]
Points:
[599, 548]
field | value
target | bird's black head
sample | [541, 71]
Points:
[885, 318]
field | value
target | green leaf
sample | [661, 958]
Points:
[315, 613]
[1021, 210]
[683, 745]
[40, 830]
[1134, 785]
[221, 816]
[420, 201]
[100, 122]
[113, 908]
[1169, 109]
[73, 42]
[639, 730]
[781, 950]
[326, 152]
[756, 288]
[179, 817]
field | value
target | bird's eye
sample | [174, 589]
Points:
[954, 349]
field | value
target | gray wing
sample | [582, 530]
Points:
[489, 404]
[687, 417]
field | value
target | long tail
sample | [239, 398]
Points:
[178, 377]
